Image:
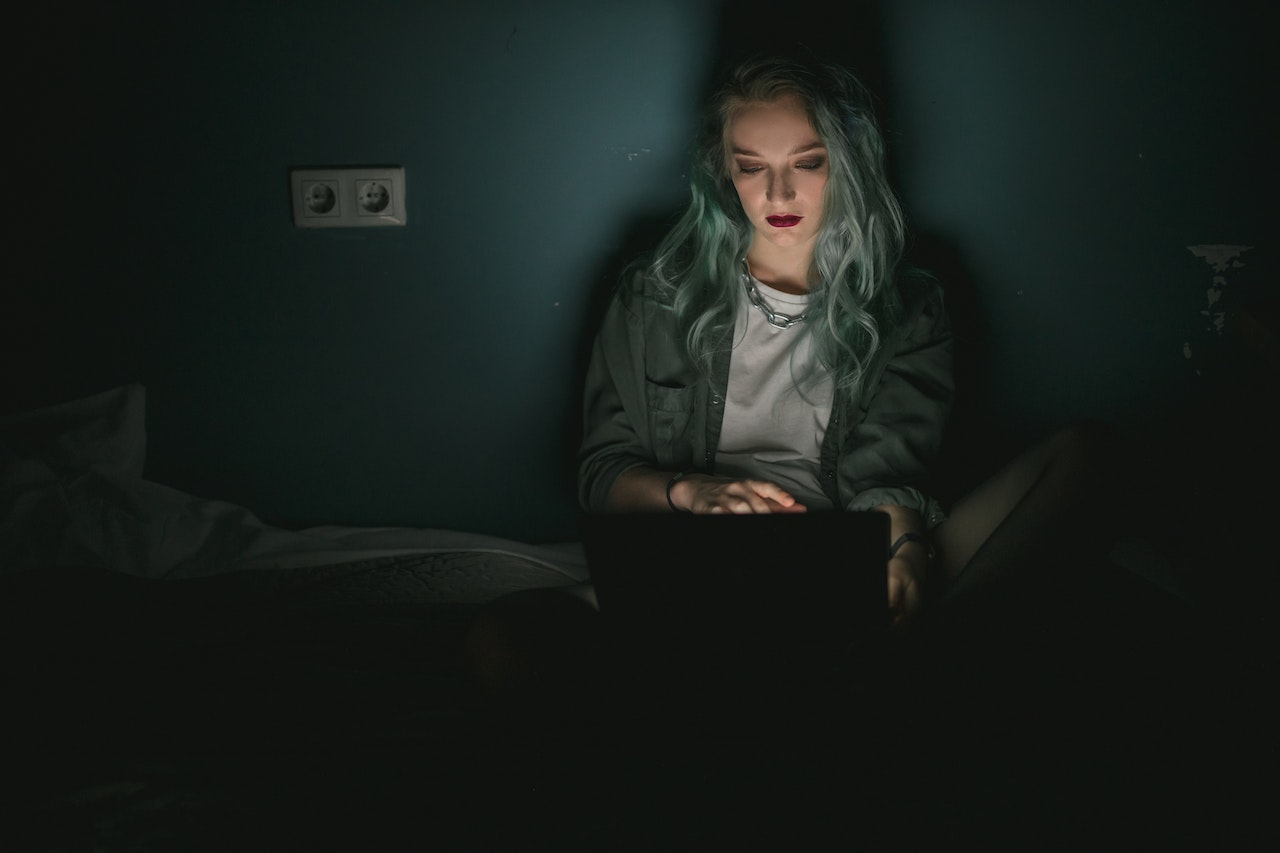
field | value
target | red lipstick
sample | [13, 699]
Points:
[783, 221]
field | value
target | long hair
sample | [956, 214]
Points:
[697, 266]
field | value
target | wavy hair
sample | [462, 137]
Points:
[697, 266]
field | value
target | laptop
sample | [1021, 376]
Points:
[720, 589]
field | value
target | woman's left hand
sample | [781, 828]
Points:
[906, 585]
[909, 566]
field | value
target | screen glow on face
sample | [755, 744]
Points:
[779, 168]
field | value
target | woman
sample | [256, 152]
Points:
[774, 355]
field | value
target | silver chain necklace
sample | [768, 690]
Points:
[777, 320]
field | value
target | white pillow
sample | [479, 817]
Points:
[106, 432]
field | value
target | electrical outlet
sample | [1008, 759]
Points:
[320, 198]
[373, 198]
[348, 197]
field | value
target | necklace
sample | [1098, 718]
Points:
[777, 320]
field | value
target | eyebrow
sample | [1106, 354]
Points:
[802, 149]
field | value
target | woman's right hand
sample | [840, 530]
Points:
[704, 493]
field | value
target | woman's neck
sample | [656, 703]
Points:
[790, 272]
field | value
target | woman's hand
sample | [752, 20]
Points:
[906, 584]
[707, 494]
[909, 567]
[643, 489]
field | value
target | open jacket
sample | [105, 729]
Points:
[645, 404]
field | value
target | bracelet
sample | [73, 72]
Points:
[909, 536]
[671, 483]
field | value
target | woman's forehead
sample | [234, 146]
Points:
[783, 120]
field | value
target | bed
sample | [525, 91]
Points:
[167, 651]
[183, 676]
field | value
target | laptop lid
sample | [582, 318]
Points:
[739, 583]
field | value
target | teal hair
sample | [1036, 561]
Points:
[697, 266]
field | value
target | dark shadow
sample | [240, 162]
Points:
[639, 237]
[975, 444]
[850, 34]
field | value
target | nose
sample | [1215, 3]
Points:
[780, 188]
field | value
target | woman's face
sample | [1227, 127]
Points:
[779, 168]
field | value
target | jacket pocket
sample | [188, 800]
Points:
[670, 418]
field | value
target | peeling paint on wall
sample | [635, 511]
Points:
[630, 153]
[1221, 258]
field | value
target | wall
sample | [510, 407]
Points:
[1076, 156]
[421, 376]
[1057, 165]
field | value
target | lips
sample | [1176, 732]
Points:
[783, 221]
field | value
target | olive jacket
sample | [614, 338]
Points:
[645, 404]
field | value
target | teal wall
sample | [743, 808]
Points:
[1071, 153]
[1057, 164]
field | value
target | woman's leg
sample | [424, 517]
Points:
[1054, 498]
[535, 641]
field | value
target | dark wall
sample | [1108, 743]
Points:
[1058, 165]
[423, 375]
[1074, 156]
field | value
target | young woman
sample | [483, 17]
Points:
[775, 355]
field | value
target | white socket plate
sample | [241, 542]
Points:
[348, 197]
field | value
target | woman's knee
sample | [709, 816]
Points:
[1087, 445]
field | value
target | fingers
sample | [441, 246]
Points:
[907, 605]
[771, 491]
[795, 507]
[739, 504]
[905, 591]
[744, 497]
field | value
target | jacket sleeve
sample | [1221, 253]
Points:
[615, 421]
[899, 425]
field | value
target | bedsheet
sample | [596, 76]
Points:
[72, 492]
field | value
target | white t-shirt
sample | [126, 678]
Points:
[772, 429]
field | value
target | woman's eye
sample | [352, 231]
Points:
[810, 165]
[750, 170]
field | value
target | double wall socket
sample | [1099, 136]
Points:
[348, 197]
